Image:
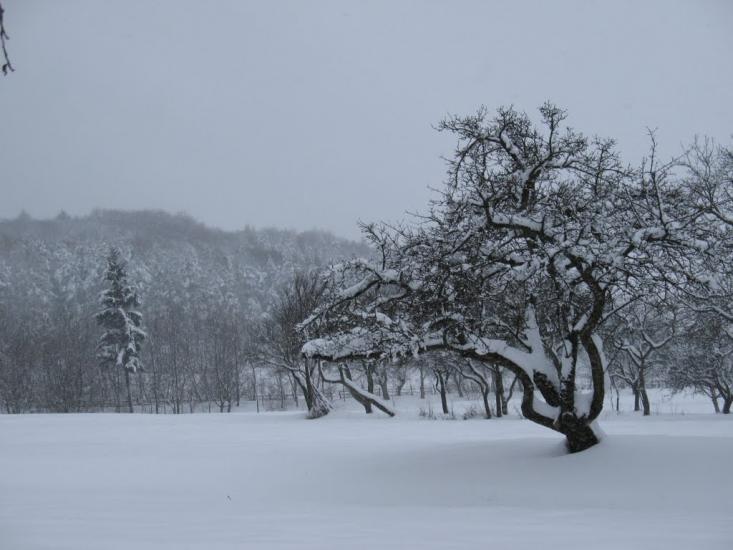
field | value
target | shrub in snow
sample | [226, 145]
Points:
[471, 412]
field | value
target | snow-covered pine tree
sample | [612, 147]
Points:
[119, 346]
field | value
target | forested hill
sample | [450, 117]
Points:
[202, 290]
[43, 260]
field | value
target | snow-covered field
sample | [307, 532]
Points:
[276, 480]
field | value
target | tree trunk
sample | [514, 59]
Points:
[614, 387]
[367, 399]
[370, 386]
[238, 382]
[505, 400]
[129, 393]
[714, 397]
[141, 389]
[727, 402]
[307, 398]
[345, 372]
[317, 404]
[487, 407]
[116, 385]
[441, 388]
[401, 381]
[309, 391]
[366, 403]
[501, 405]
[645, 402]
[422, 382]
[254, 388]
[644, 395]
[294, 389]
[370, 378]
[579, 436]
[156, 389]
[384, 384]
[281, 387]
[580, 440]
[636, 398]
[320, 405]
[457, 380]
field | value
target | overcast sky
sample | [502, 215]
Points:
[317, 114]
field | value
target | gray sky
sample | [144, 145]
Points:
[316, 114]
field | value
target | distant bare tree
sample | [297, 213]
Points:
[702, 361]
[283, 341]
[479, 375]
[645, 330]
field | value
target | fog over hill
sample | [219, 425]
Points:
[156, 243]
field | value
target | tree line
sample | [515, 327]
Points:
[202, 293]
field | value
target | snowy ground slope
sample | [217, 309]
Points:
[275, 480]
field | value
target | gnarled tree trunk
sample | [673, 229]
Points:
[579, 436]
[728, 401]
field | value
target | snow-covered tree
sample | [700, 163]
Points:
[705, 282]
[119, 345]
[643, 333]
[536, 238]
[481, 374]
[703, 360]
[281, 342]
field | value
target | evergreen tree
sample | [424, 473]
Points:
[119, 346]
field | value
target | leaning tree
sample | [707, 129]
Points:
[538, 236]
[279, 342]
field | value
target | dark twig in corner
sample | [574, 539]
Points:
[7, 65]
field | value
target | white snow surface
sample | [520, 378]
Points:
[352, 481]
